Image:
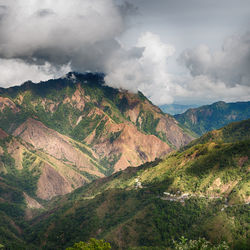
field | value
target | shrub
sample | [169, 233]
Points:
[93, 244]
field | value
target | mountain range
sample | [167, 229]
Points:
[79, 159]
[69, 131]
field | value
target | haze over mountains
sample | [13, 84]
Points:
[174, 109]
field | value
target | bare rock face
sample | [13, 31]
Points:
[53, 143]
[55, 178]
[166, 125]
[31, 203]
[77, 100]
[132, 146]
[3, 134]
[51, 184]
[61, 160]
[138, 148]
[174, 133]
[6, 102]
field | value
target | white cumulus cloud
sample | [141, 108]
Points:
[145, 71]
[230, 64]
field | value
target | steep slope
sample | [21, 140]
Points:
[12, 211]
[202, 191]
[81, 130]
[3, 134]
[56, 145]
[196, 166]
[35, 172]
[235, 131]
[209, 117]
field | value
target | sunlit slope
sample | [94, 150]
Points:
[202, 191]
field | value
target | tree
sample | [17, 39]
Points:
[200, 244]
[93, 244]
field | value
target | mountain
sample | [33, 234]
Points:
[206, 118]
[202, 191]
[61, 134]
[66, 147]
[174, 108]
[233, 132]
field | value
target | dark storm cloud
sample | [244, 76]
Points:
[45, 12]
[80, 32]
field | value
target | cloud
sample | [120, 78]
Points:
[220, 75]
[44, 39]
[60, 31]
[201, 89]
[217, 75]
[229, 65]
[145, 69]
[15, 71]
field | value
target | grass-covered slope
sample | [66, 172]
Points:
[202, 191]
[233, 132]
[214, 116]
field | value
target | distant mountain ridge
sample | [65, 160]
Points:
[69, 131]
[209, 117]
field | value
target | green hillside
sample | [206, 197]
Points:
[60, 142]
[235, 131]
[214, 116]
[202, 191]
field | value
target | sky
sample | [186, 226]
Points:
[174, 51]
